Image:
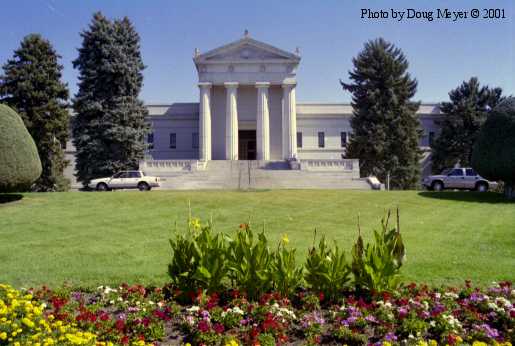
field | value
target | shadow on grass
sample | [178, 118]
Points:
[468, 196]
[9, 197]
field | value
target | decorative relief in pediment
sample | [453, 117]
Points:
[246, 52]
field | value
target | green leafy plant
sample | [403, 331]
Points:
[286, 274]
[327, 270]
[249, 261]
[198, 258]
[376, 266]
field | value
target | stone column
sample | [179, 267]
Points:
[262, 122]
[205, 122]
[289, 121]
[231, 121]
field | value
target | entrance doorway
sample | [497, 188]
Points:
[247, 144]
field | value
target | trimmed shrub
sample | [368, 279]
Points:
[19, 160]
[494, 151]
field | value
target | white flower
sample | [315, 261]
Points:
[237, 310]
[151, 302]
[160, 304]
[504, 302]
[437, 295]
[194, 308]
[120, 299]
[111, 302]
[451, 295]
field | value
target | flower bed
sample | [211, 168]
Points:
[411, 315]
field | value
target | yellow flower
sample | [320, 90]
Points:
[195, 223]
[3, 335]
[285, 239]
[27, 322]
[479, 343]
[386, 343]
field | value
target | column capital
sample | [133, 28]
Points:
[206, 85]
[289, 84]
[262, 84]
[230, 85]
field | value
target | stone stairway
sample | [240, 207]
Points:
[258, 175]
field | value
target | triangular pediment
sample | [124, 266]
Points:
[246, 49]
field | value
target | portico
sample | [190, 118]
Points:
[247, 85]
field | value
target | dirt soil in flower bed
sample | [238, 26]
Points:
[412, 315]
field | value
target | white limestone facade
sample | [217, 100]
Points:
[247, 110]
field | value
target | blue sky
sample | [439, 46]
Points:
[328, 32]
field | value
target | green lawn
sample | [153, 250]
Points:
[106, 238]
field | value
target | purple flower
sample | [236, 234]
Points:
[390, 337]
[122, 316]
[489, 331]
[77, 296]
[403, 311]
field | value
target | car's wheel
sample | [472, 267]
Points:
[481, 187]
[437, 186]
[102, 187]
[142, 186]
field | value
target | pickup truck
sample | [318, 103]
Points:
[458, 178]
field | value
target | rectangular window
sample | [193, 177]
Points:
[299, 139]
[173, 141]
[431, 138]
[321, 140]
[343, 139]
[150, 140]
[194, 140]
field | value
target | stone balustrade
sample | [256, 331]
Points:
[157, 166]
[325, 165]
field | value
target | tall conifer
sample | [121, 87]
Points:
[109, 127]
[31, 84]
[385, 127]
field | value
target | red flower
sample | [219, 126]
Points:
[203, 326]
[218, 328]
[321, 296]
[125, 340]
[120, 325]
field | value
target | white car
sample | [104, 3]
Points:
[125, 180]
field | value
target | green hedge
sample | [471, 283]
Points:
[19, 160]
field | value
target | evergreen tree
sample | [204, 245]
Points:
[109, 127]
[31, 84]
[385, 127]
[462, 119]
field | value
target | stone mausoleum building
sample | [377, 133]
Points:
[247, 130]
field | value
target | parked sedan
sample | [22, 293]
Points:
[458, 178]
[125, 180]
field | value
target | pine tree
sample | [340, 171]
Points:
[109, 127]
[385, 127]
[31, 84]
[463, 117]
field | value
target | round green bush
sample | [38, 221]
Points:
[493, 156]
[19, 160]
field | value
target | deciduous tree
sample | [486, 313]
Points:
[462, 119]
